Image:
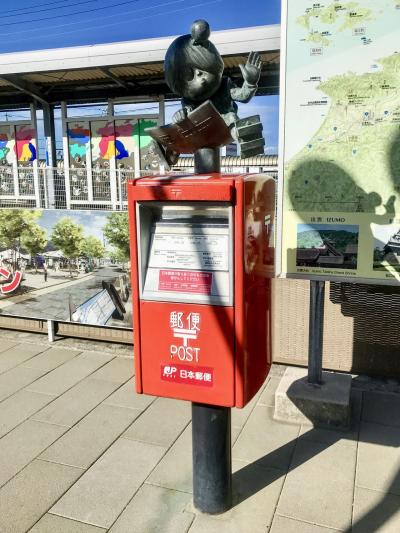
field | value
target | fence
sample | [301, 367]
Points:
[59, 188]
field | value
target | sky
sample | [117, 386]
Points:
[36, 24]
[92, 222]
[40, 24]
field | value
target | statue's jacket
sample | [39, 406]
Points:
[225, 99]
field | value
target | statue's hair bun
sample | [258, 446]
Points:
[200, 31]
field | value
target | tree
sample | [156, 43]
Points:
[35, 241]
[117, 232]
[14, 225]
[120, 257]
[68, 237]
[93, 248]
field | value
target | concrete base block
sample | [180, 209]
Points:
[299, 402]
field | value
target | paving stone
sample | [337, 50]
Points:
[319, 487]
[381, 408]
[19, 407]
[240, 416]
[155, 509]
[175, 469]
[210, 524]
[119, 369]
[69, 408]
[6, 344]
[375, 512]
[236, 430]
[30, 493]
[66, 376]
[378, 461]
[256, 492]
[268, 394]
[101, 494]
[51, 359]
[277, 370]
[16, 379]
[23, 444]
[78, 447]
[161, 423]
[52, 523]
[17, 355]
[266, 441]
[282, 524]
[126, 396]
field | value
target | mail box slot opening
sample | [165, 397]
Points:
[185, 252]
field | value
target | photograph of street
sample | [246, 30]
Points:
[74, 265]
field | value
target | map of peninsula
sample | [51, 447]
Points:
[341, 167]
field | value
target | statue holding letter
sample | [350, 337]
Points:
[208, 118]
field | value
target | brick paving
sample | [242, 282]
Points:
[81, 452]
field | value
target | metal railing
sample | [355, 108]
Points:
[57, 188]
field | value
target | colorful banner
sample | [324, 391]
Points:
[340, 143]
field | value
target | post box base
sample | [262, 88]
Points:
[300, 402]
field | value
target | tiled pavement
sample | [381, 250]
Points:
[80, 452]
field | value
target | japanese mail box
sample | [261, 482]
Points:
[202, 259]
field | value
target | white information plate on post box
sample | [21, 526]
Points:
[188, 254]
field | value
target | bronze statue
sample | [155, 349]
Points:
[194, 71]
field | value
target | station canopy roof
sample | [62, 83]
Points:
[124, 69]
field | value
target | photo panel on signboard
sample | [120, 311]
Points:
[65, 265]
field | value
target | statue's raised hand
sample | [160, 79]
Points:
[252, 69]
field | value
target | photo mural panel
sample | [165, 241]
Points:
[102, 143]
[78, 148]
[340, 145]
[66, 265]
[25, 144]
[7, 144]
[149, 161]
[126, 142]
[7, 158]
[103, 156]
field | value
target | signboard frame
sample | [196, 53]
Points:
[392, 275]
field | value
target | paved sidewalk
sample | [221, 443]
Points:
[80, 452]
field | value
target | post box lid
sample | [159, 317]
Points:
[205, 187]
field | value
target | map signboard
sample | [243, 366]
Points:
[340, 140]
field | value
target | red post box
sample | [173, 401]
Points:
[202, 259]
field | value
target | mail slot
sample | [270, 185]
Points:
[202, 259]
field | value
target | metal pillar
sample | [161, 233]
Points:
[207, 160]
[316, 331]
[51, 154]
[51, 330]
[211, 425]
[161, 121]
[212, 462]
